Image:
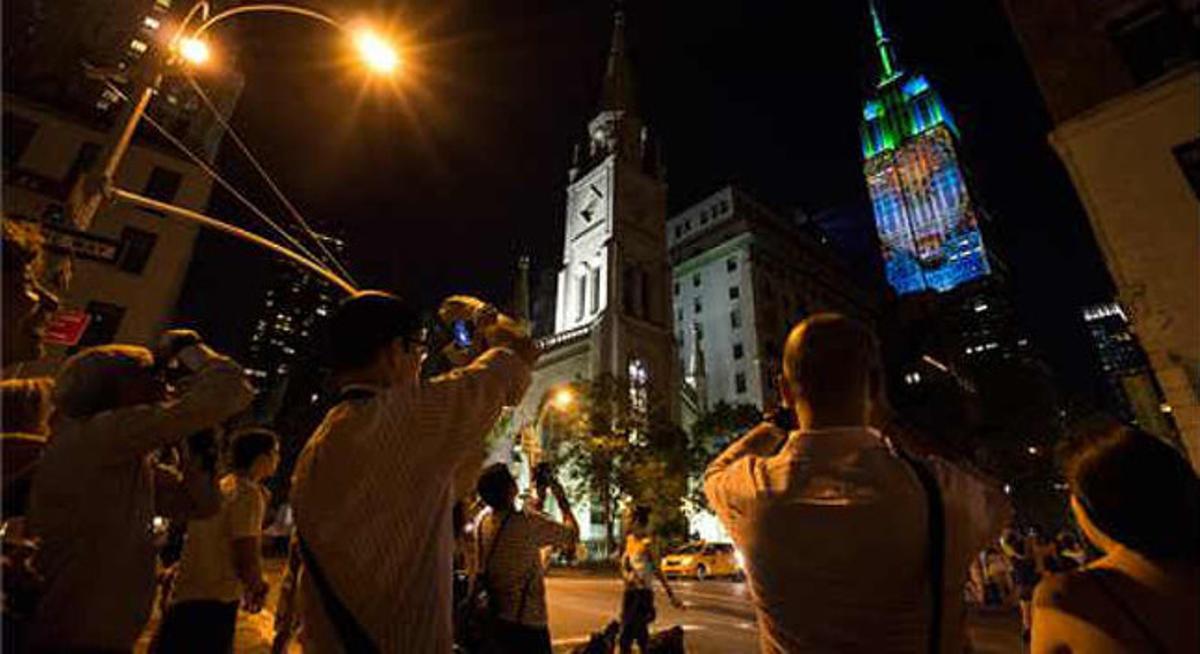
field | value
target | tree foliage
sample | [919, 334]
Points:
[712, 432]
[621, 454]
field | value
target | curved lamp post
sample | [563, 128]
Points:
[188, 47]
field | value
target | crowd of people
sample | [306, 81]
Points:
[851, 543]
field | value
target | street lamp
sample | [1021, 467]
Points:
[561, 400]
[194, 51]
[188, 46]
[376, 53]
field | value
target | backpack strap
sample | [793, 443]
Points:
[350, 632]
[936, 510]
[487, 562]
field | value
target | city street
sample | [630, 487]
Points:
[718, 617]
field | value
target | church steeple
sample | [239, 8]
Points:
[887, 58]
[520, 300]
[618, 77]
[617, 129]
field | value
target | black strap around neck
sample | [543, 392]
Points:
[936, 561]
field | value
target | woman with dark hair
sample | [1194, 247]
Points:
[1137, 500]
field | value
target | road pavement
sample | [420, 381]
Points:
[717, 618]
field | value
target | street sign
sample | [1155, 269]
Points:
[66, 327]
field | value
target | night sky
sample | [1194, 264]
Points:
[440, 181]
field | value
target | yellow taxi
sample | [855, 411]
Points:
[702, 560]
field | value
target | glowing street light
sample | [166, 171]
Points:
[376, 53]
[193, 50]
[563, 399]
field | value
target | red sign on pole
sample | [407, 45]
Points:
[66, 327]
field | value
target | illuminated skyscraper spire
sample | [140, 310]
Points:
[887, 58]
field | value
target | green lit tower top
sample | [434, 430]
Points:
[924, 213]
[887, 59]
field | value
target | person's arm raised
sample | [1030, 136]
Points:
[216, 391]
[463, 404]
[730, 476]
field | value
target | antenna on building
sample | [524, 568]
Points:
[887, 57]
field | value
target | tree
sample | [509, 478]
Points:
[711, 434]
[620, 447]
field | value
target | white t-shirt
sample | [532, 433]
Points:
[206, 568]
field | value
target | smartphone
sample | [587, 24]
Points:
[463, 332]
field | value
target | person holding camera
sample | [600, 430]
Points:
[510, 543]
[96, 491]
[221, 563]
[851, 544]
[374, 488]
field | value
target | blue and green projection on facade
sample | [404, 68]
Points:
[924, 215]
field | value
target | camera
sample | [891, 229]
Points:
[782, 416]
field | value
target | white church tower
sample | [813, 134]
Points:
[613, 303]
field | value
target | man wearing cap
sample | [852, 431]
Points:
[97, 489]
[375, 485]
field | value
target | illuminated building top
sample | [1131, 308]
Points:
[927, 223]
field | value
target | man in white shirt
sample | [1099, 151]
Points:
[833, 523]
[97, 489]
[222, 555]
[374, 487]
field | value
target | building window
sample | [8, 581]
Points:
[1152, 41]
[739, 382]
[696, 280]
[163, 184]
[84, 158]
[136, 246]
[595, 290]
[734, 292]
[731, 264]
[639, 379]
[738, 351]
[735, 318]
[678, 231]
[676, 289]
[581, 299]
[696, 307]
[105, 319]
[18, 133]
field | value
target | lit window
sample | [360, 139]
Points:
[151, 22]
[138, 46]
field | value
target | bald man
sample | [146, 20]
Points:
[834, 523]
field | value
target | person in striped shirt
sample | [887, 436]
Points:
[375, 485]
